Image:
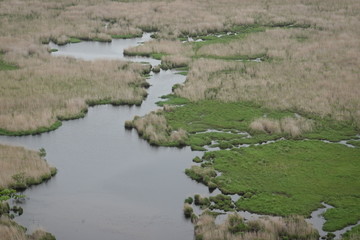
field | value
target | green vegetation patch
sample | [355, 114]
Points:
[6, 66]
[235, 118]
[355, 143]
[74, 40]
[292, 177]
[221, 202]
[171, 99]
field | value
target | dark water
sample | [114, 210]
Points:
[110, 183]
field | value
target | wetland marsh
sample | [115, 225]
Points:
[263, 96]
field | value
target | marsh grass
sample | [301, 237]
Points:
[328, 33]
[10, 230]
[353, 234]
[154, 128]
[46, 89]
[188, 210]
[21, 168]
[235, 228]
[288, 125]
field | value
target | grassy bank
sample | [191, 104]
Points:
[21, 168]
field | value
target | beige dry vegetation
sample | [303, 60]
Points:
[47, 88]
[16, 160]
[265, 228]
[161, 46]
[89, 18]
[313, 70]
[292, 126]
[154, 128]
[175, 54]
[318, 71]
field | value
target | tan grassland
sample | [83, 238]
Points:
[18, 160]
[45, 88]
[317, 75]
[162, 46]
[267, 229]
[313, 70]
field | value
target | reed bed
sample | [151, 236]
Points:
[45, 89]
[154, 128]
[316, 72]
[22, 162]
[235, 228]
[326, 88]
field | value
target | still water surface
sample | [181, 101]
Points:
[110, 183]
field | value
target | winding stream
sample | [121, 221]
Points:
[110, 183]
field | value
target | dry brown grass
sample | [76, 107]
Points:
[319, 75]
[317, 82]
[161, 46]
[17, 160]
[154, 127]
[47, 88]
[291, 126]
[266, 229]
[87, 19]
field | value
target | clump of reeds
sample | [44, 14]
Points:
[154, 128]
[188, 210]
[235, 228]
[291, 126]
[174, 61]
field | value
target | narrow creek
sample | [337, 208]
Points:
[110, 183]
